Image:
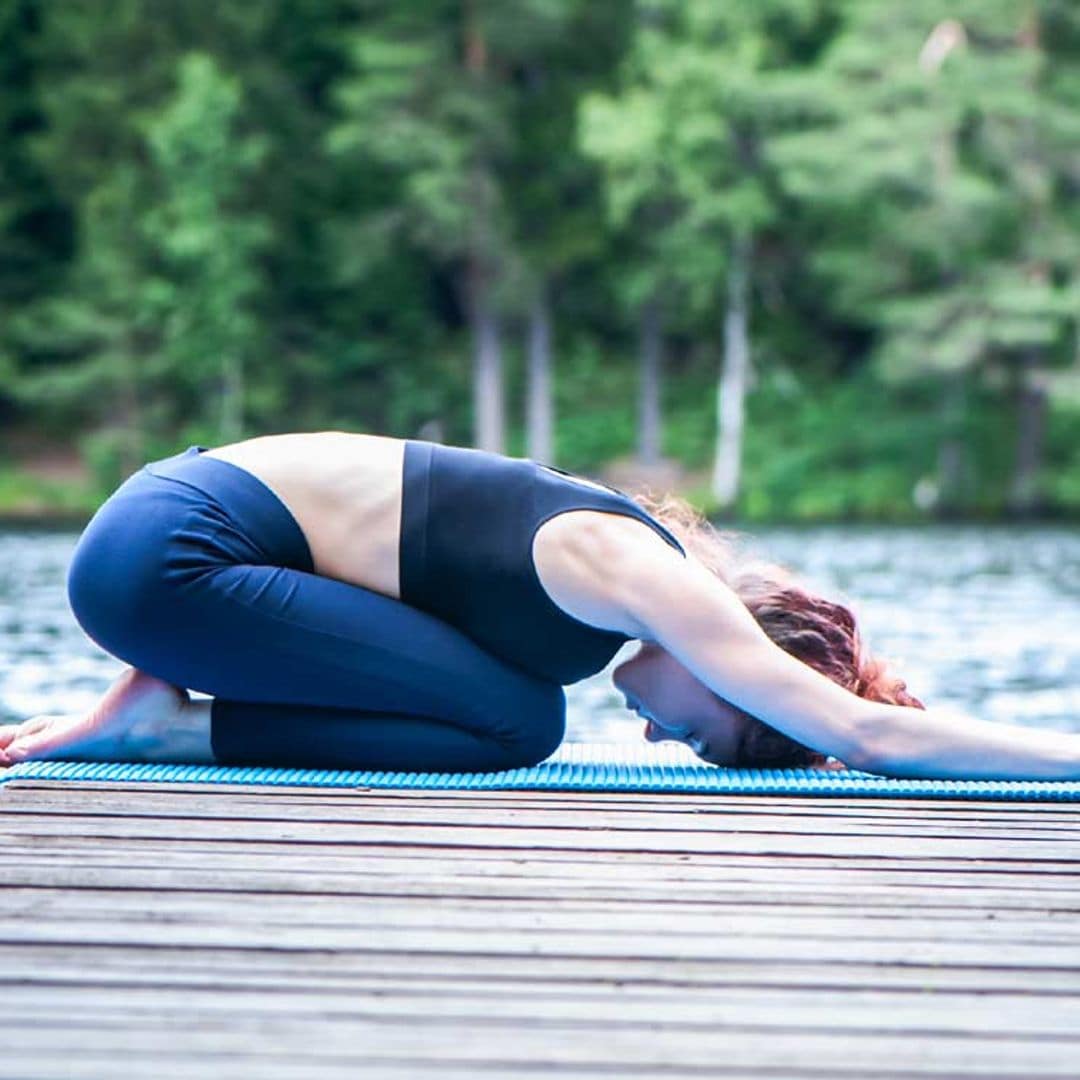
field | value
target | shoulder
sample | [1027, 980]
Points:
[591, 562]
[604, 538]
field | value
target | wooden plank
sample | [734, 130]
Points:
[705, 1047]
[327, 912]
[857, 1012]
[175, 800]
[563, 839]
[93, 1065]
[87, 1065]
[345, 968]
[618, 865]
[792, 896]
[385, 937]
[679, 803]
[91, 812]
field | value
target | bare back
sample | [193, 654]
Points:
[343, 489]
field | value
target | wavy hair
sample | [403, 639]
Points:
[819, 632]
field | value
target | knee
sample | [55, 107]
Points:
[105, 589]
[539, 726]
[89, 589]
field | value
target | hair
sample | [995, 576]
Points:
[819, 632]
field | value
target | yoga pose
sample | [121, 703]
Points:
[358, 601]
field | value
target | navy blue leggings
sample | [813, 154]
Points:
[193, 570]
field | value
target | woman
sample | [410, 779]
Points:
[358, 601]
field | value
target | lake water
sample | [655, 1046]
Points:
[978, 620]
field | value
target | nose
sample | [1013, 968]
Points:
[655, 733]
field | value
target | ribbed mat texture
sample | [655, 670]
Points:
[575, 767]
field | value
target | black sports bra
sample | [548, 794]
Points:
[467, 526]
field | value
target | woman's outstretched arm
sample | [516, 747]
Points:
[686, 609]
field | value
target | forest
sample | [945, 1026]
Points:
[798, 260]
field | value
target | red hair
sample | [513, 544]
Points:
[819, 632]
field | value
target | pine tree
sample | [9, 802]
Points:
[36, 236]
[208, 243]
[87, 348]
[424, 106]
[933, 169]
[705, 88]
[556, 51]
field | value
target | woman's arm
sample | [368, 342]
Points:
[687, 610]
[920, 743]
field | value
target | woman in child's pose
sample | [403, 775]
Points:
[358, 601]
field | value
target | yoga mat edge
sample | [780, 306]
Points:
[574, 767]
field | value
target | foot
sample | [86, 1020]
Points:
[130, 723]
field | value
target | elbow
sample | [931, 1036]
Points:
[884, 744]
[868, 748]
[866, 759]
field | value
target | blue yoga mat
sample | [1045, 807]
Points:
[575, 767]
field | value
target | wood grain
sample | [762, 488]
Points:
[191, 930]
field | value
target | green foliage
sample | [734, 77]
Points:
[587, 438]
[34, 226]
[933, 165]
[208, 278]
[218, 220]
[682, 142]
[411, 108]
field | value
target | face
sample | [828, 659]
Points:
[677, 705]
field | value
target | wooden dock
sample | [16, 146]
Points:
[167, 931]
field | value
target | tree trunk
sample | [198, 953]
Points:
[538, 404]
[487, 364]
[731, 391]
[488, 420]
[232, 398]
[952, 451]
[649, 384]
[1031, 408]
[131, 420]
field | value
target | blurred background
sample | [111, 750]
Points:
[813, 264]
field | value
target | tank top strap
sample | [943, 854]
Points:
[579, 479]
[610, 498]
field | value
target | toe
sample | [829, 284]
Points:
[48, 737]
[26, 750]
[10, 732]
